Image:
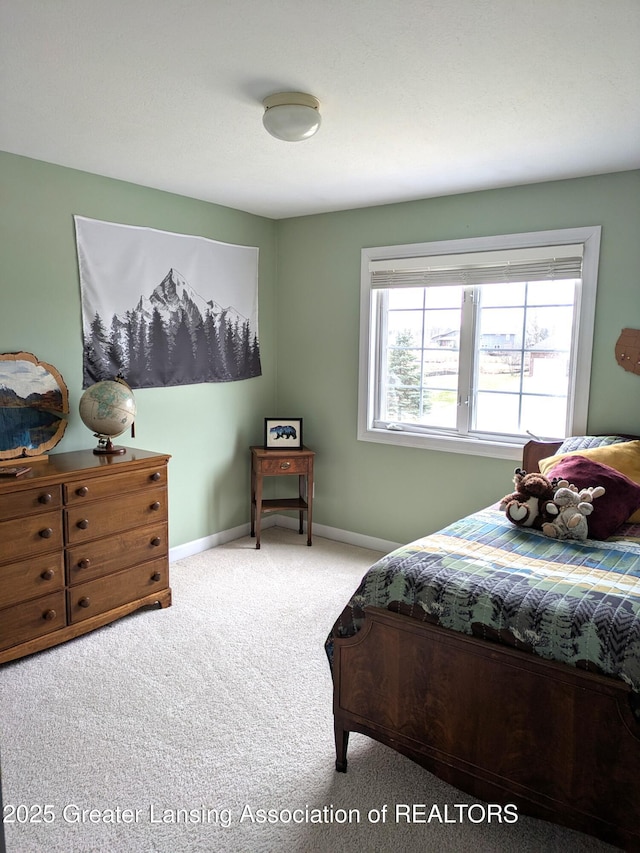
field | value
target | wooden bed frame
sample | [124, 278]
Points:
[505, 726]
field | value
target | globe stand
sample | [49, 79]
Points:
[106, 447]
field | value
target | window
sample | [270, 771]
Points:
[475, 345]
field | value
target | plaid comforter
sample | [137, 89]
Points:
[573, 602]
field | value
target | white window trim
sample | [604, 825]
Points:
[589, 236]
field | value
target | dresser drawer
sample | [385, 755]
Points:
[98, 596]
[101, 518]
[285, 465]
[90, 488]
[32, 619]
[30, 578]
[30, 536]
[91, 560]
[29, 501]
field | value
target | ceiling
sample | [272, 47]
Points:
[419, 98]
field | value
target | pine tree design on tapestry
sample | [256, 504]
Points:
[172, 337]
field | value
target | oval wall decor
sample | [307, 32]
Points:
[628, 350]
[34, 404]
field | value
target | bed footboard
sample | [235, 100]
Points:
[500, 724]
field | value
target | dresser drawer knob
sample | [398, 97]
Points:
[285, 465]
[156, 541]
[84, 563]
[49, 615]
[47, 574]
[84, 602]
[82, 492]
[83, 523]
[45, 498]
[155, 476]
[47, 533]
[156, 576]
[155, 505]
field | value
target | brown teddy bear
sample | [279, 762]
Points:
[531, 505]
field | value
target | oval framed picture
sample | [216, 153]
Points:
[34, 404]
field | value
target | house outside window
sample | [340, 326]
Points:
[477, 345]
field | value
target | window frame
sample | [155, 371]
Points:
[503, 447]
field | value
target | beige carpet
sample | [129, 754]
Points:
[170, 730]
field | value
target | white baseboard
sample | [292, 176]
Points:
[338, 535]
[335, 533]
[199, 545]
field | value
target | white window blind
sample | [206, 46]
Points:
[495, 267]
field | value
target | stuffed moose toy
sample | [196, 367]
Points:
[573, 508]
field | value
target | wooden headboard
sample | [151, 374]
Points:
[534, 451]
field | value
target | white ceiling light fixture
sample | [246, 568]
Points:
[291, 116]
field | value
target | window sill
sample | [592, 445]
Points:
[445, 444]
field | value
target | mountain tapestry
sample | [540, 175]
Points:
[164, 309]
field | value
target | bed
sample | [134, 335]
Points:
[506, 662]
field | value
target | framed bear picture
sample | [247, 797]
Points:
[283, 433]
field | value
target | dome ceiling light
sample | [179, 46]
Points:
[291, 116]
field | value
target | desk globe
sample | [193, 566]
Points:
[108, 408]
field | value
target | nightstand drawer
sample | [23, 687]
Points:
[98, 596]
[32, 619]
[102, 556]
[30, 536]
[30, 578]
[30, 501]
[285, 465]
[101, 518]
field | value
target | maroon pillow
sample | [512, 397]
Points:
[620, 500]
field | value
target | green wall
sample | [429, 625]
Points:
[206, 428]
[401, 493]
[309, 295]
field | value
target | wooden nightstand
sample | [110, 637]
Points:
[278, 463]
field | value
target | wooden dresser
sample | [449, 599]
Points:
[83, 541]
